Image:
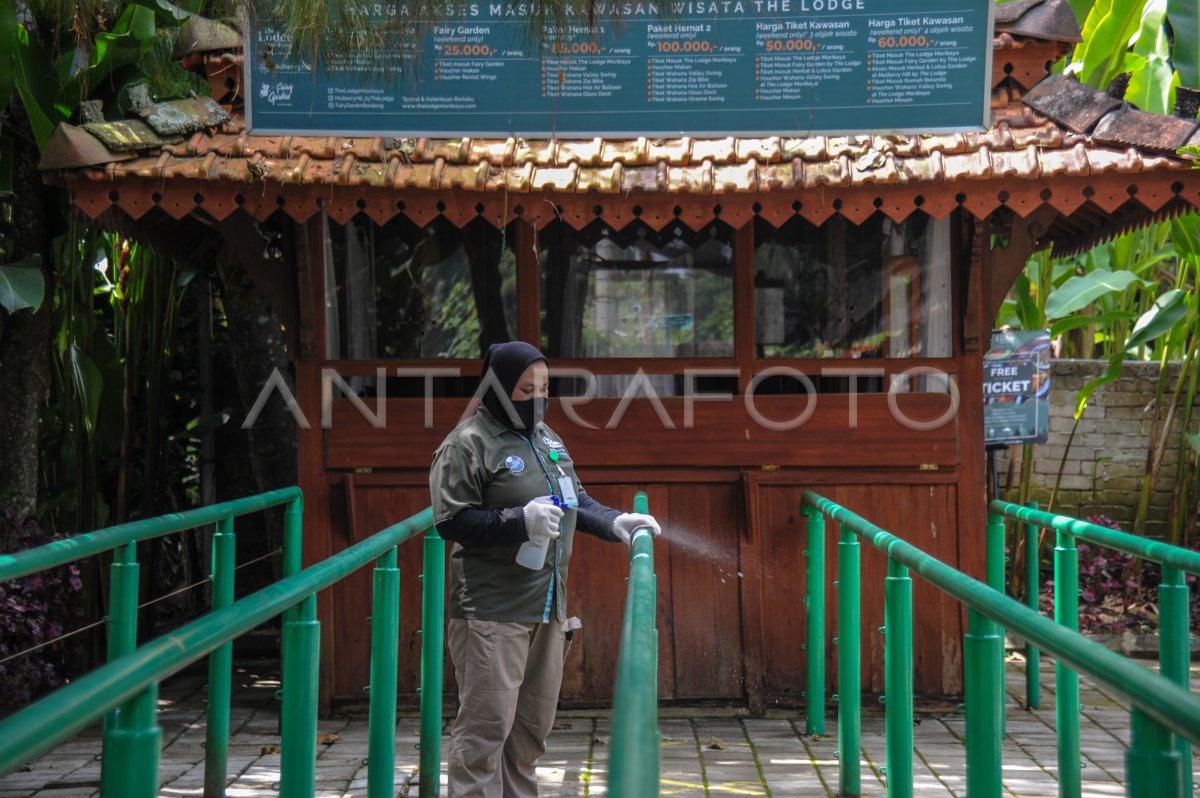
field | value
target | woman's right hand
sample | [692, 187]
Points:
[542, 518]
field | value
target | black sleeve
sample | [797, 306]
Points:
[596, 519]
[474, 527]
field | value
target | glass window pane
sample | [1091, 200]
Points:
[879, 289]
[403, 291]
[637, 292]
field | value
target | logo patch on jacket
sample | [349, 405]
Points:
[514, 464]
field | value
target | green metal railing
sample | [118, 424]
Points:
[1173, 631]
[129, 729]
[129, 682]
[634, 764]
[1162, 710]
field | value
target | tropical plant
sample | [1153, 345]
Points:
[36, 612]
[1133, 297]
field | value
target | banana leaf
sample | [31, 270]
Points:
[1069, 323]
[1106, 35]
[1184, 16]
[22, 284]
[1082, 290]
[1168, 309]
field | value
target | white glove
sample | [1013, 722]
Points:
[623, 526]
[542, 518]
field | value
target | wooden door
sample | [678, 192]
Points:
[923, 512]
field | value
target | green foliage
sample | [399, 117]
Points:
[22, 285]
[1084, 289]
[1107, 32]
[1167, 310]
[8, 48]
[35, 610]
[1184, 16]
[1153, 79]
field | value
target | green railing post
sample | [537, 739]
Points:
[849, 645]
[293, 562]
[898, 680]
[122, 639]
[1033, 657]
[220, 666]
[815, 703]
[1066, 681]
[433, 610]
[1152, 765]
[1174, 645]
[984, 711]
[385, 652]
[293, 536]
[634, 763]
[301, 668]
[133, 748]
[995, 580]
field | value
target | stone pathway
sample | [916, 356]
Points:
[704, 753]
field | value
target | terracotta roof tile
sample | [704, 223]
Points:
[605, 179]
[674, 152]
[834, 172]
[765, 150]
[776, 176]
[968, 166]
[948, 143]
[556, 179]
[715, 150]
[735, 177]
[492, 150]
[631, 152]
[1102, 161]
[584, 153]
[1056, 163]
[815, 148]
[1016, 163]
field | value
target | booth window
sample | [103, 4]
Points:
[876, 290]
[636, 292]
[404, 291]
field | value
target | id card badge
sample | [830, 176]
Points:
[566, 490]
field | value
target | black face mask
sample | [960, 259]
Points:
[531, 411]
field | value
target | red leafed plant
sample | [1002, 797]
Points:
[1117, 592]
[35, 610]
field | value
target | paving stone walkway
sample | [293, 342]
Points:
[704, 753]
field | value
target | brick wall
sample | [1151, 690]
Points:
[1108, 455]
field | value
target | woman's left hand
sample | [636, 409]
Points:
[626, 524]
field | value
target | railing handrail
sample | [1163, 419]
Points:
[634, 762]
[1154, 550]
[1170, 705]
[40, 726]
[61, 552]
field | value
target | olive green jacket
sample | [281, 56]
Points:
[485, 465]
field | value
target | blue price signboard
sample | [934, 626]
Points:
[704, 67]
[1016, 388]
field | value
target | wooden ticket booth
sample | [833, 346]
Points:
[730, 322]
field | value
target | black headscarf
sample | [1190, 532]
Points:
[508, 362]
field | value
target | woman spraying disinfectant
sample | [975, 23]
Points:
[504, 490]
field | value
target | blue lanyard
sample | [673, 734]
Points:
[541, 464]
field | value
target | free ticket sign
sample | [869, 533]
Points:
[629, 68]
[1016, 388]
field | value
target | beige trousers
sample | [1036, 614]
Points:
[508, 678]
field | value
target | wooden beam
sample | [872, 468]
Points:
[1004, 264]
[529, 300]
[743, 302]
